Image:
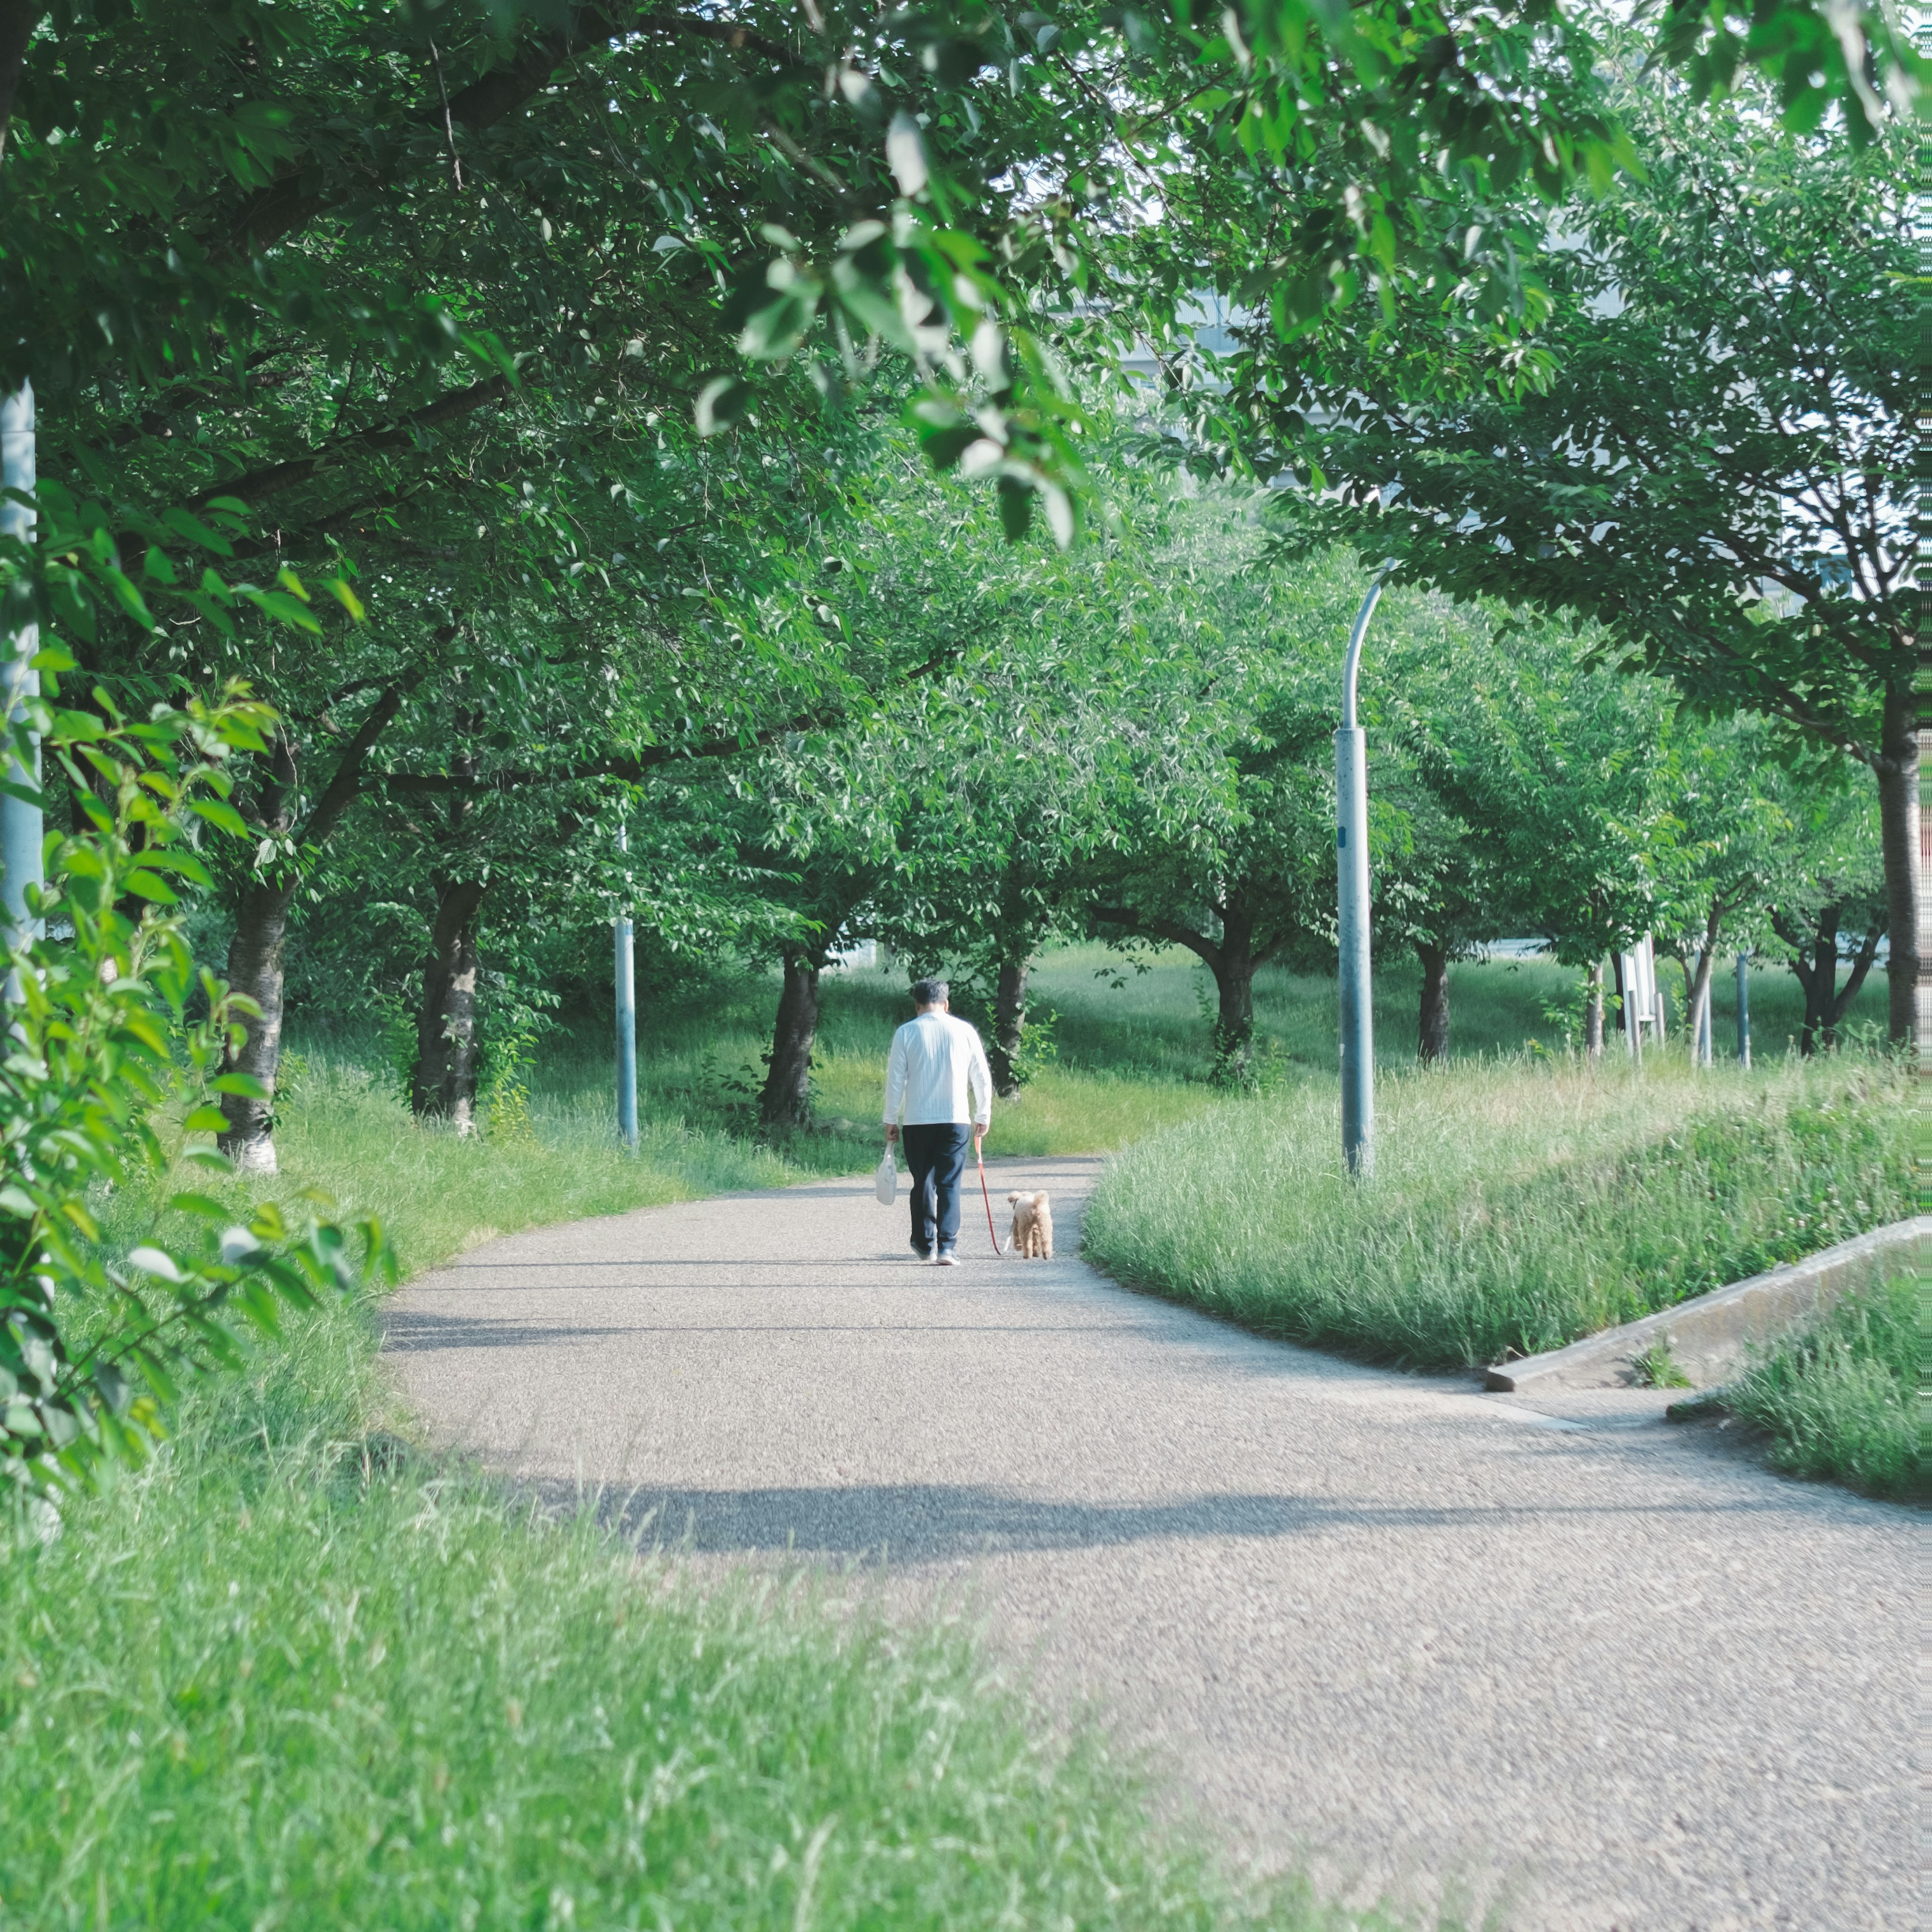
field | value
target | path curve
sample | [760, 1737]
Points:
[1386, 1624]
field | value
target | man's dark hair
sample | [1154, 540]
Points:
[929, 992]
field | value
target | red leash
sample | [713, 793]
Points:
[985, 1197]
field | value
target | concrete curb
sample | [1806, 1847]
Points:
[1707, 1336]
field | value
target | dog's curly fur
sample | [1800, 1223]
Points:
[1033, 1226]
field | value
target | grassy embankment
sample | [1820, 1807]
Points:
[1843, 1398]
[276, 1681]
[291, 1676]
[1514, 1208]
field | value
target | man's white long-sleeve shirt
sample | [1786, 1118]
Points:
[934, 1060]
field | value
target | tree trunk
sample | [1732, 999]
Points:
[1009, 1026]
[1838, 999]
[447, 1047]
[255, 970]
[1593, 1011]
[786, 1101]
[1823, 983]
[1233, 968]
[1432, 1042]
[1697, 986]
[1897, 771]
[261, 925]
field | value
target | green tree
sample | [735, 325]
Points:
[1559, 772]
[1715, 469]
[1227, 847]
[1730, 837]
[1828, 901]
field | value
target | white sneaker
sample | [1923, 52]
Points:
[946, 1258]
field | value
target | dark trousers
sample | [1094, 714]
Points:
[937, 1156]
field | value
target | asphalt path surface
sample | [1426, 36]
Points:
[1611, 1671]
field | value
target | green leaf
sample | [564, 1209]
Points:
[905, 155]
[184, 524]
[284, 609]
[201, 1206]
[773, 332]
[155, 1262]
[205, 1119]
[218, 812]
[344, 593]
[1016, 508]
[721, 402]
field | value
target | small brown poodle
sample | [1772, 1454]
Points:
[1033, 1227]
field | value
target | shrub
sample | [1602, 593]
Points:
[93, 1346]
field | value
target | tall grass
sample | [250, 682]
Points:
[286, 1677]
[1156, 1022]
[1841, 1398]
[1515, 1207]
[294, 1674]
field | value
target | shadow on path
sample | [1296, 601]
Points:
[924, 1522]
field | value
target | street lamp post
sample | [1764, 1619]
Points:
[20, 827]
[627, 1021]
[1351, 906]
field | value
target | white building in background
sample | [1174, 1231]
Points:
[1206, 317]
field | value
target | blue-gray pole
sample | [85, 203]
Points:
[627, 1023]
[1744, 1009]
[1352, 908]
[19, 639]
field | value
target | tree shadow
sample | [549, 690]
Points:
[929, 1523]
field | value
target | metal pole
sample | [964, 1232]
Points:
[627, 1023]
[1351, 906]
[1744, 1009]
[20, 830]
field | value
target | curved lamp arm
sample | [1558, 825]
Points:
[1352, 664]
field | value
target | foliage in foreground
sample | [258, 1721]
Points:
[1514, 1208]
[93, 1347]
[286, 1675]
[1840, 1399]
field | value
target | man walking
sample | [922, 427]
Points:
[935, 1059]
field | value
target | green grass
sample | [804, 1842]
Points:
[284, 1677]
[294, 1673]
[1516, 1206]
[1840, 1399]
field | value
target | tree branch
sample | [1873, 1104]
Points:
[284, 206]
[347, 781]
[1861, 966]
[1125, 917]
[276, 477]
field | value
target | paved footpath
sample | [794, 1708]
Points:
[1390, 1627]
